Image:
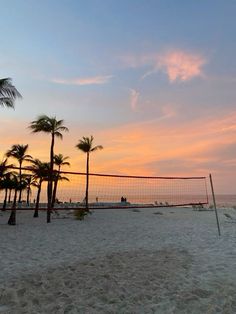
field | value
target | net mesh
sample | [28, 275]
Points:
[118, 191]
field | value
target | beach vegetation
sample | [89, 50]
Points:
[54, 127]
[5, 181]
[19, 152]
[59, 160]
[86, 145]
[8, 93]
[29, 179]
[80, 213]
[18, 184]
[40, 172]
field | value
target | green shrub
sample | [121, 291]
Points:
[80, 213]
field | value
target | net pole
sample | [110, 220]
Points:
[214, 202]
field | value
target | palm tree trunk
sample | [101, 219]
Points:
[54, 191]
[5, 200]
[28, 196]
[12, 218]
[36, 211]
[87, 183]
[50, 179]
[9, 197]
[20, 190]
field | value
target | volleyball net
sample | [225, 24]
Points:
[117, 191]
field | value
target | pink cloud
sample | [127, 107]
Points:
[180, 65]
[95, 80]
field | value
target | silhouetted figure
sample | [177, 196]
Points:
[122, 199]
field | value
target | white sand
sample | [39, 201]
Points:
[119, 261]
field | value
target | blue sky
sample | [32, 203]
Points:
[160, 69]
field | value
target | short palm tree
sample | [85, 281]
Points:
[5, 184]
[86, 146]
[29, 179]
[59, 160]
[53, 127]
[3, 168]
[5, 180]
[18, 152]
[40, 171]
[16, 185]
[8, 93]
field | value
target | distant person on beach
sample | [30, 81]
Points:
[122, 199]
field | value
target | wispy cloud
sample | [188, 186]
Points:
[134, 97]
[95, 80]
[177, 64]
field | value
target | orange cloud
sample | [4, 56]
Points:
[161, 146]
[156, 148]
[95, 80]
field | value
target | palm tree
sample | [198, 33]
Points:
[18, 152]
[5, 184]
[3, 168]
[54, 127]
[40, 172]
[5, 180]
[59, 160]
[30, 181]
[86, 146]
[8, 93]
[16, 185]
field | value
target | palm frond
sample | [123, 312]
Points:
[59, 135]
[86, 145]
[48, 125]
[98, 147]
[7, 102]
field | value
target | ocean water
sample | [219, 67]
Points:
[222, 200]
[226, 200]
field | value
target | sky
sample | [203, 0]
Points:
[154, 81]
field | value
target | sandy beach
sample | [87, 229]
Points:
[119, 261]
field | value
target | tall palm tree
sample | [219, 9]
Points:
[53, 127]
[18, 152]
[86, 146]
[8, 93]
[59, 160]
[40, 172]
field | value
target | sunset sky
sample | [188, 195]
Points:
[154, 81]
